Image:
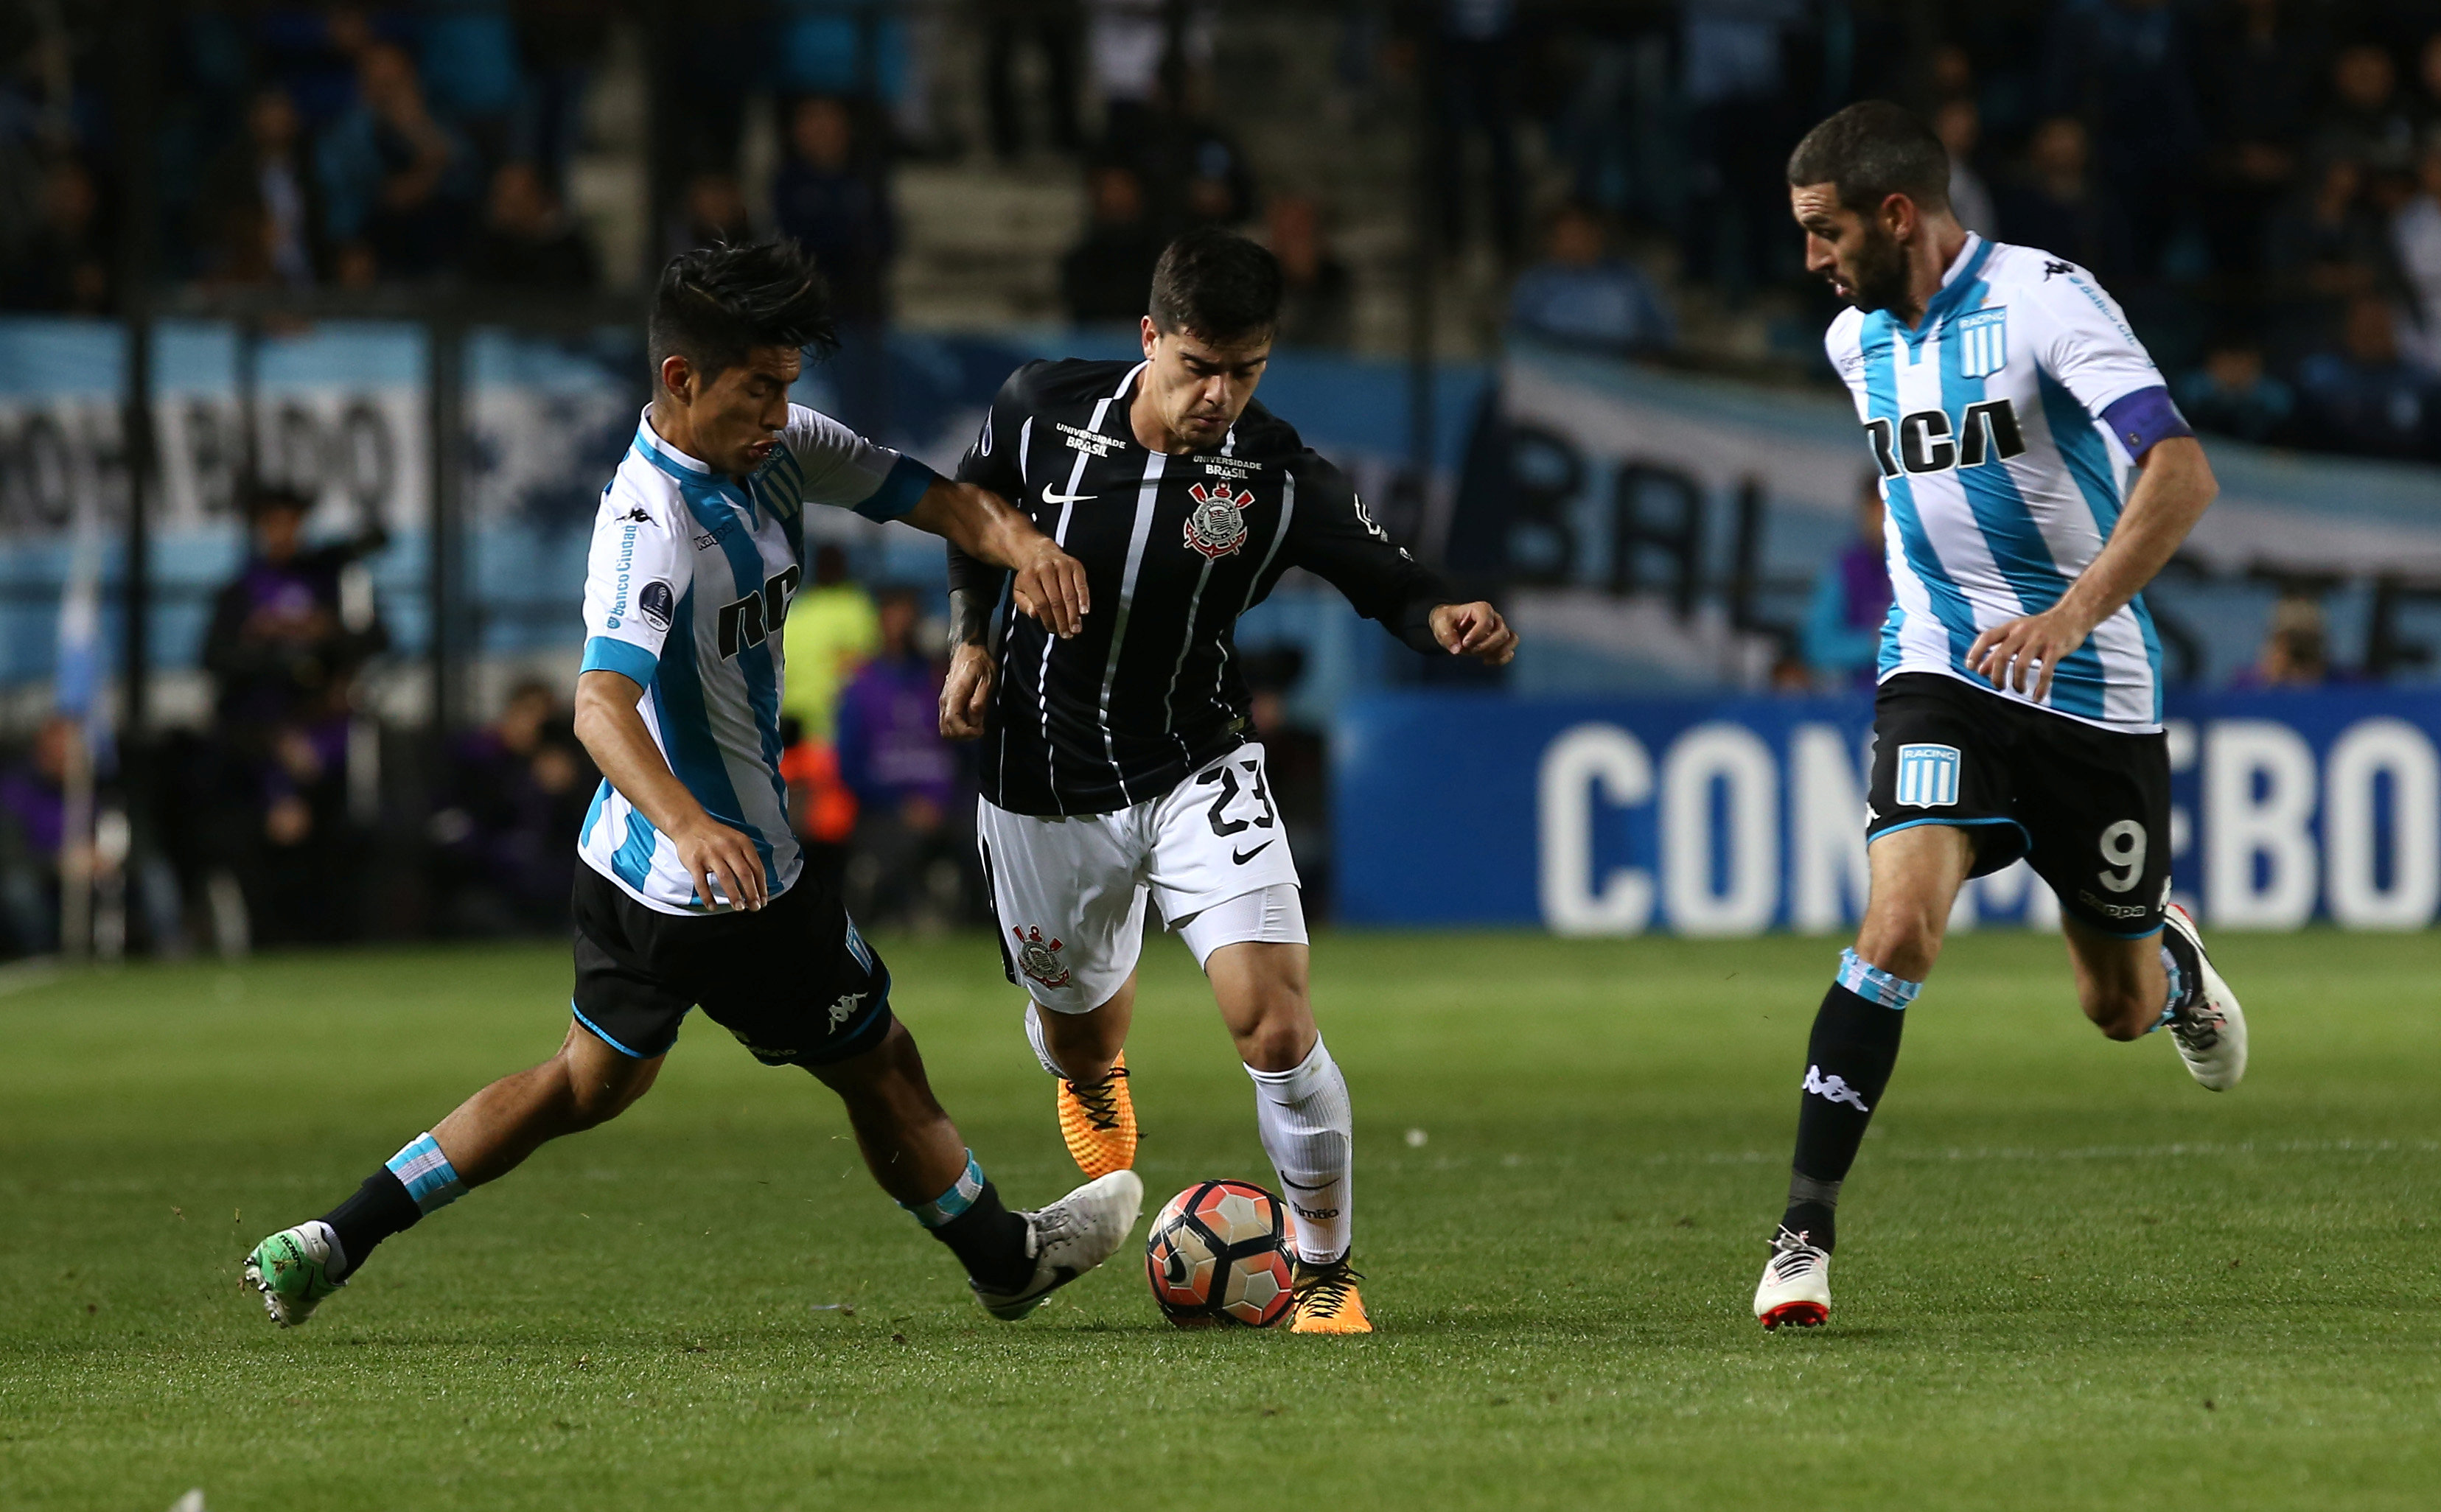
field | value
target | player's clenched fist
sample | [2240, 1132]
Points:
[1051, 588]
[1474, 630]
[966, 692]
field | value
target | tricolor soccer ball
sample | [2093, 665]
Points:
[1218, 1254]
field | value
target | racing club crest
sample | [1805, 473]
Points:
[1216, 526]
[1039, 961]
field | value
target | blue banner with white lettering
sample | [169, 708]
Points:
[1734, 815]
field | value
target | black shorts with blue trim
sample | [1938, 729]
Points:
[2088, 809]
[793, 980]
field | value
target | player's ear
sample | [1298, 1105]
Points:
[676, 376]
[1899, 216]
[1149, 333]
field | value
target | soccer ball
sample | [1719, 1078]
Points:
[1218, 1254]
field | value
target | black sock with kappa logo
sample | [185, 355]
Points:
[989, 1241]
[1847, 1062]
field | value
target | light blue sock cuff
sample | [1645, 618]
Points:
[2177, 994]
[961, 1195]
[427, 1174]
[1873, 985]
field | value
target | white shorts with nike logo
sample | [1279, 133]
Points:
[1070, 891]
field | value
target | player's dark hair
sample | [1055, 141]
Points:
[1871, 151]
[716, 304]
[1217, 285]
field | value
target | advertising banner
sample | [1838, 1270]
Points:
[1723, 816]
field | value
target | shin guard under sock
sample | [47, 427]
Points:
[1847, 1062]
[987, 1238]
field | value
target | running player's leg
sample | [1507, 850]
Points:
[1069, 894]
[799, 985]
[2097, 804]
[1939, 811]
[626, 1019]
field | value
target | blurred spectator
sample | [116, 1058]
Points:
[827, 204]
[2233, 395]
[2328, 244]
[1107, 275]
[2416, 242]
[712, 211]
[528, 240]
[1970, 198]
[2368, 120]
[281, 639]
[393, 176]
[2056, 206]
[2428, 82]
[1741, 120]
[2365, 397]
[1199, 173]
[822, 809]
[33, 823]
[505, 827]
[1055, 30]
[1582, 295]
[1842, 638]
[65, 265]
[1131, 46]
[2262, 60]
[2122, 67]
[1477, 44]
[851, 48]
[2296, 648]
[1317, 296]
[911, 829]
[562, 42]
[830, 630]
[472, 72]
[260, 212]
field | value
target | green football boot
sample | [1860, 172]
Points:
[292, 1269]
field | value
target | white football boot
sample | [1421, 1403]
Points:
[2211, 1030]
[1070, 1237]
[1796, 1284]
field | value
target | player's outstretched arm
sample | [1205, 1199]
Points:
[1050, 582]
[615, 737]
[2174, 489]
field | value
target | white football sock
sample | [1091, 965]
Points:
[1309, 1131]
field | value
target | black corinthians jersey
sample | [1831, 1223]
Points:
[1175, 548]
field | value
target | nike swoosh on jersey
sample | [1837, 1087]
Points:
[1049, 497]
[1242, 857]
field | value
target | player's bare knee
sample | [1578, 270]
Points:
[1278, 1034]
[1904, 946]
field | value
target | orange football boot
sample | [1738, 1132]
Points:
[1327, 1302]
[1099, 1122]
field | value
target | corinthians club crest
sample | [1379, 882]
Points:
[1039, 961]
[1216, 526]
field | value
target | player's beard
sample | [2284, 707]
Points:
[1879, 278]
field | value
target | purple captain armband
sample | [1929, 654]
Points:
[2144, 419]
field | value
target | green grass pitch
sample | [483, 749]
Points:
[2069, 1278]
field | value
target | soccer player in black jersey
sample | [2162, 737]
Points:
[1117, 761]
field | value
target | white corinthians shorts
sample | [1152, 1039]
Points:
[1070, 891]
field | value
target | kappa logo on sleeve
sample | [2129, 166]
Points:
[657, 604]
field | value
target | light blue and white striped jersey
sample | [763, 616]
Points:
[689, 580]
[2004, 427]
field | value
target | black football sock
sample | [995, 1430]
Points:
[1847, 1062]
[987, 1238]
[417, 1181]
[372, 1213]
[2185, 971]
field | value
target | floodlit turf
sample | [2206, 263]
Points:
[2068, 1277]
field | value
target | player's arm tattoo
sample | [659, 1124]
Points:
[974, 592]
